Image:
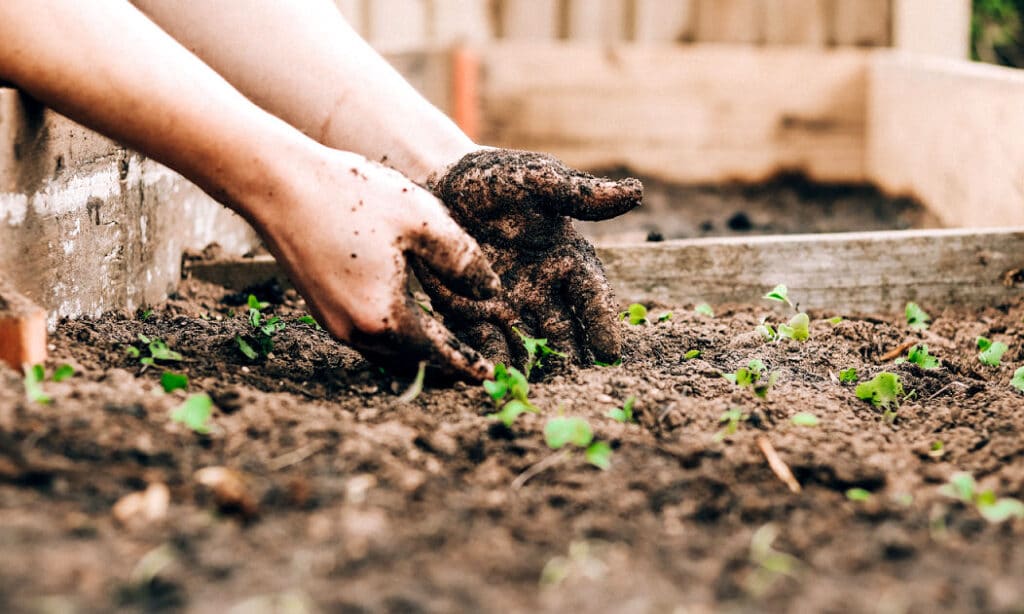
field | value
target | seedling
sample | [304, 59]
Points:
[63, 372]
[766, 331]
[690, 355]
[937, 450]
[35, 375]
[261, 342]
[636, 314]
[848, 376]
[158, 350]
[918, 355]
[416, 387]
[731, 419]
[858, 494]
[798, 328]
[917, 319]
[770, 564]
[1018, 379]
[665, 317]
[705, 310]
[835, 320]
[173, 381]
[624, 413]
[805, 419]
[753, 376]
[195, 413]
[962, 487]
[536, 351]
[562, 431]
[617, 363]
[884, 391]
[145, 315]
[781, 294]
[509, 391]
[991, 354]
[310, 320]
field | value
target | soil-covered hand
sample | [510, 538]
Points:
[345, 229]
[518, 206]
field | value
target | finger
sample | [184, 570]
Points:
[454, 255]
[488, 339]
[585, 197]
[592, 300]
[555, 324]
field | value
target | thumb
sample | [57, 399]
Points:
[585, 197]
[454, 255]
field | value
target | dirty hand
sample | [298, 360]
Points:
[518, 206]
[344, 229]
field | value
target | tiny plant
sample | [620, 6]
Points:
[766, 330]
[624, 413]
[990, 354]
[261, 341]
[858, 494]
[311, 321]
[805, 419]
[731, 421]
[962, 487]
[848, 376]
[617, 363]
[1018, 379]
[636, 314]
[173, 381]
[917, 319]
[780, 294]
[705, 310]
[665, 317]
[536, 351]
[562, 431]
[918, 355]
[884, 391]
[195, 413]
[63, 372]
[690, 355]
[770, 565]
[509, 390]
[754, 376]
[798, 328]
[416, 387]
[35, 375]
[158, 351]
[835, 320]
[937, 449]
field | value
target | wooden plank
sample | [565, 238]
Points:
[688, 114]
[949, 133]
[842, 273]
[22, 329]
[396, 25]
[730, 21]
[663, 21]
[459, 22]
[528, 20]
[601, 21]
[861, 23]
[796, 22]
[934, 27]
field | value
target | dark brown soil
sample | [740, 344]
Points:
[366, 504]
[787, 204]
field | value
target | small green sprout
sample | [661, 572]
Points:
[311, 321]
[173, 381]
[918, 355]
[731, 419]
[780, 293]
[766, 331]
[798, 328]
[562, 431]
[665, 317]
[416, 387]
[884, 391]
[617, 363]
[635, 313]
[770, 564]
[754, 376]
[991, 354]
[35, 375]
[145, 315]
[858, 494]
[158, 350]
[937, 449]
[63, 372]
[805, 419]
[705, 310]
[509, 390]
[917, 319]
[624, 413]
[963, 488]
[835, 320]
[195, 413]
[261, 342]
[848, 376]
[1018, 379]
[690, 355]
[536, 351]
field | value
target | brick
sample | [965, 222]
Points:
[22, 329]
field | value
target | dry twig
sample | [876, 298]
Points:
[779, 466]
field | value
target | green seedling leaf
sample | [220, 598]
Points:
[705, 310]
[636, 314]
[848, 376]
[35, 375]
[858, 494]
[147, 361]
[918, 355]
[835, 320]
[159, 350]
[561, 431]
[1001, 510]
[884, 391]
[536, 351]
[617, 363]
[599, 454]
[624, 413]
[195, 412]
[63, 372]
[145, 315]
[805, 419]
[245, 348]
[133, 351]
[1018, 379]
[173, 381]
[665, 317]
[731, 419]
[427, 309]
[991, 354]
[937, 449]
[690, 355]
[512, 410]
[917, 319]
[416, 387]
[496, 389]
[780, 293]
[766, 331]
[256, 304]
[961, 486]
[798, 328]
[310, 320]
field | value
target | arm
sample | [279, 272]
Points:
[340, 225]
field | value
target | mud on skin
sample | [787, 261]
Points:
[518, 206]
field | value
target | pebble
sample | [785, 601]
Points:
[139, 509]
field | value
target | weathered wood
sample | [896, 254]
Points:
[795, 22]
[730, 21]
[949, 132]
[843, 273]
[688, 114]
[861, 23]
[663, 21]
[933, 27]
[533, 20]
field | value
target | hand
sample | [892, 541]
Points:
[518, 206]
[344, 229]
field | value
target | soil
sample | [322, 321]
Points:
[786, 204]
[351, 501]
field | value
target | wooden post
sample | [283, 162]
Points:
[933, 27]
[22, 329]
[602, 21]
[730, 21]
[795, 22]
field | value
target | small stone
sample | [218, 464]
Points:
[139, 509]
[230, 492]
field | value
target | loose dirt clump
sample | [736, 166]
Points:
[330, 495]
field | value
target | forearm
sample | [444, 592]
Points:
[105, 65]
[305, 64]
